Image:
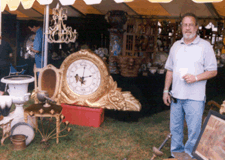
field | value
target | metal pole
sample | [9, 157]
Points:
[46, 38]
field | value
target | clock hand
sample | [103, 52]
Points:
[83, 71]
[82, 81]
[88, 76]
[77, 78]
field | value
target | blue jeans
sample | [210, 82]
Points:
[192, 111]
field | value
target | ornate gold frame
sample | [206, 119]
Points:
[106, 96]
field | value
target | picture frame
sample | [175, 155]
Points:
[210, 144]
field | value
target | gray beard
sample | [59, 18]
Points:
[190, 36]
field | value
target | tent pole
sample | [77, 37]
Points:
[46, 38]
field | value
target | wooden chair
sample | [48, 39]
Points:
[47, 79]
[221, 107]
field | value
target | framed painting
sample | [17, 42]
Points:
[210, 144]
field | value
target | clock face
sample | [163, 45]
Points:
[83, 77]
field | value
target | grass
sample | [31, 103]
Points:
[114, 140]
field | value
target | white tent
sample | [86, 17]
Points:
[158, 9]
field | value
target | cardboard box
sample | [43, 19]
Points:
[83, 116]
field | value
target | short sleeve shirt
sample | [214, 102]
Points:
[38, 40]
[194, 58]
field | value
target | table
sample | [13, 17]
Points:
[5, 124]
[38, 110]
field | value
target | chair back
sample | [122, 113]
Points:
[48, 79]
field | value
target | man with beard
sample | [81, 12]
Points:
[190, 64]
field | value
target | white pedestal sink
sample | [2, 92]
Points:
[18, 91]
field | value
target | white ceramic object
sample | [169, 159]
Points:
[161, 71]
[18, 91]
[5, 104]
[153, 69]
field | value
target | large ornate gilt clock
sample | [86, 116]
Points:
[86, 81]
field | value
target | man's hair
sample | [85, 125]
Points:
[190, 15]
[32, 23]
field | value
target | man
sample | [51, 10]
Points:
[34, 26]
[5, 55]
[190, 63]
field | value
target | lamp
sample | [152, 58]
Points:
[59, 33]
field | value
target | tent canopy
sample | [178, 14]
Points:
[35, 9]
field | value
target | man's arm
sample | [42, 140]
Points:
[168, 82]
[206, 75]
[203, 76]
[35, 51]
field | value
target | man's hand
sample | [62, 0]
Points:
[34, 50]
[166, 98]
[189, 78]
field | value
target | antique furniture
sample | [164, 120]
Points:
[47, 79]
[5, 124]
[220, 107]
[38, 110]
[116, 18]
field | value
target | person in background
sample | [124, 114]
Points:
[190, 64]
[34, 26]
[5, 55]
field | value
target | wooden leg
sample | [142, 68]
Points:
[6, 131]
[36, 125]
[57, 128]
[25, 116]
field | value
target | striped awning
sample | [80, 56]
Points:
[155, 8]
